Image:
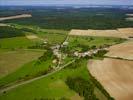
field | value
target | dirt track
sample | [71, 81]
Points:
[15, 17]
[124, 50]
[115, 75]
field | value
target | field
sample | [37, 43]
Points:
[129, 19]
[15, 17]
[126, 31]
[36, 34]
[124, 51]
[51, 87]
[15, 60]
[52, 38]
[38, 46]
[84, 43]
[16, 43]
[115, 75]
[26, 71]
[120, 33]
[130, 15]
[30, 70]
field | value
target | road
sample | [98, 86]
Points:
[34, 79]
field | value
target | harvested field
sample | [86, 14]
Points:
[15, 17]
[2, 24]
[31, 37]
[129, 19]
[76, 97]
[119, 33]
[130, 15]
[126, 30]
[12, 60]
[115, 75]
[124, 50]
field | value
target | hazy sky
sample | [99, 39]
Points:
[43, 2]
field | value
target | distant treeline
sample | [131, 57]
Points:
[70, 18]
[7, 32]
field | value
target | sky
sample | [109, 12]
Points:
[62, 2]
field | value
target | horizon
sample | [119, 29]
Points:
[64, 2]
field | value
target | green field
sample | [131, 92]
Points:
[23, 58]
[51, 87]
[13, 60]
[27, 71]
[84, 43]
[53, 38]
[54, 86]
[16, 43]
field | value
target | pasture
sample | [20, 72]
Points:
[51, 87]
[16, 43]
[85, 43]
[28, 70]
[115, 76]
[10, 61]
[52, 37]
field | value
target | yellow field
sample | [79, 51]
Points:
[15, 17]
[118, 33]
[124, 50]
[115, 75]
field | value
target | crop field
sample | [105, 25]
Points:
[126, 30]
[115, 75]
[31, 37]
[124, 50]
[26, 71]
[15, 17]
[52, 38]
[2, 24]
[51, 87]
[129, 17]
[15, 60]
[42, 53]
[120, 33]
[16, 42]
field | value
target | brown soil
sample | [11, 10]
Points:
[124, 50]
[15, 17]
[115, 75]
[119, 33]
